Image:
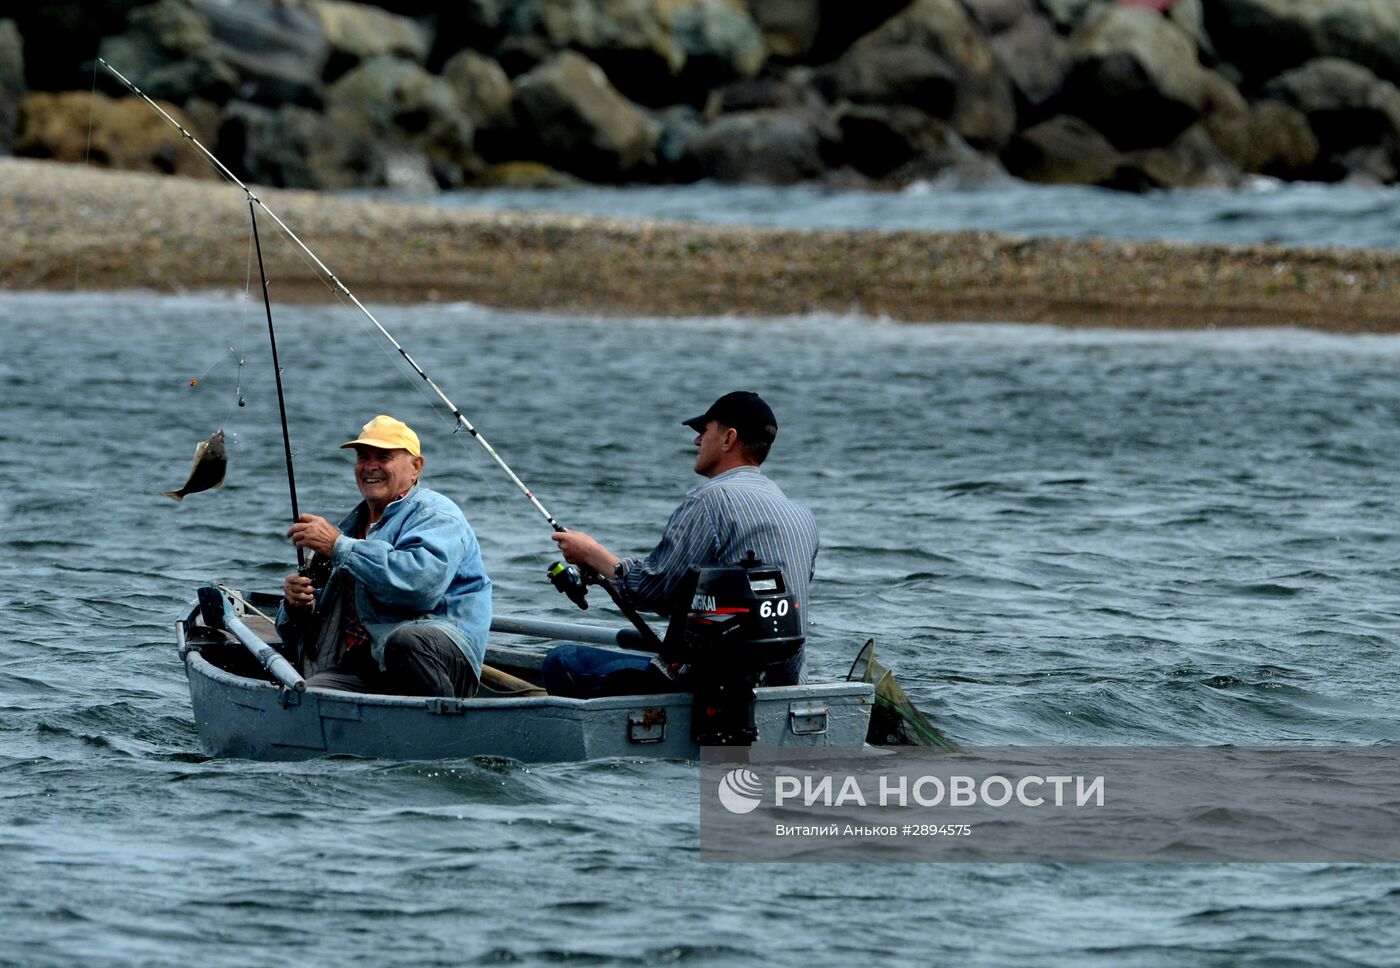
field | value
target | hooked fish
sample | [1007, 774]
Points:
[210, 463]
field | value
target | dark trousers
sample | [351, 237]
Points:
[419, 660]
[587, 672]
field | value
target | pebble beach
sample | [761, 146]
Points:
[78, 227]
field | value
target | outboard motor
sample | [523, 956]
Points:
[741, 620]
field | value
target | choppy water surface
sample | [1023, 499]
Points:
[1285, 213]
[1056, 537]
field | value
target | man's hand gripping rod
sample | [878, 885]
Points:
[573, 582]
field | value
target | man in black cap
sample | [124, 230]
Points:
[735, 511]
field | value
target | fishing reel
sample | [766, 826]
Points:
[568, 580]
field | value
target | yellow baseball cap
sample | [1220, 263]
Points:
[387, 433]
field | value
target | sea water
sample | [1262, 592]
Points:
[1055, 537]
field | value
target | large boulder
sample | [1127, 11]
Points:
[295, 147]
[995, 16]
[1226, 117]
[1063, 150]
[1193, 160]
[1136, 78]
[817, 31]
[1068, 14]
[1265, 37]
[580, 122]
[1355, 115]
[464, 25]
[1029, 50]
[677, 126]
[789, 27]
[1345, 104]
[1281, 143]
[761, 147]
[483, 91]
[1190, 16]
[656, 52]
[721, 44]
[278, 50]
[486, 96]
[1369, 165]
[11, 83]
[794, 89]
[411, 121]
[61, 38]
[633, 41]
[259, 50]
[356, 32]
[898, 145]
[933, 57]
[169, 51]
[83, 127]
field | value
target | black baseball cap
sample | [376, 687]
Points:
[743, 410]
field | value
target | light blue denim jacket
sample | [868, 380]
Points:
[420, 562]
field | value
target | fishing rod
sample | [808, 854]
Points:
[277, 370]
[339, 287]
[561, 578]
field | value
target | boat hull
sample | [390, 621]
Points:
[239, 715]
[250, 719]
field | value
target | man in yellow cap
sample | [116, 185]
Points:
[407, 606]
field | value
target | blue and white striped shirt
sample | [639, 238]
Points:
[719, 522]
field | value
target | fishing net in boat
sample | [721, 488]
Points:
[895, 720]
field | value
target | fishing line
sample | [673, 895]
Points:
[199, 378]
[87, 163]
[243, 320]
[238, 356]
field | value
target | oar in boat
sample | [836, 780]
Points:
[623, 638]
[217, 612]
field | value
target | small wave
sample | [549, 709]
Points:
[970, 487]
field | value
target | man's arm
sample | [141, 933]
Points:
[583, 549]
[690, 539]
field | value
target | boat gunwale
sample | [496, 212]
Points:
[811, 690]
[190, 652]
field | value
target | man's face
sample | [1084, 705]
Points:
[383, 475]
[709, 448]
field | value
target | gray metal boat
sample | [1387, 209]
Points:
[242, 711]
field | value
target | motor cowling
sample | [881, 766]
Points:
[741, 620]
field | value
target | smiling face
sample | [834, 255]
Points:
[382, 475]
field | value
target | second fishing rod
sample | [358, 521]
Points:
[571, 582]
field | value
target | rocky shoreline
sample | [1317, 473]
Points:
[75, 227]
[419, 94]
